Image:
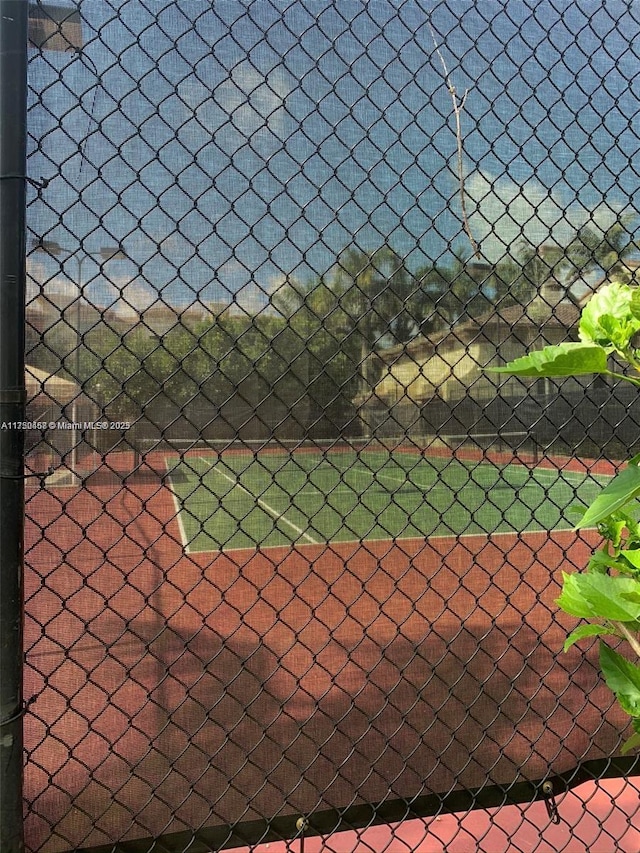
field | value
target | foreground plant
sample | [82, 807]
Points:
[607, 592]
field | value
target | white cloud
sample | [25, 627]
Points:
[59, 290]
[251, 298]
[126, 295]
[253, 100]
[139, 294]
[502, 212]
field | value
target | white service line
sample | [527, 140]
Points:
[378, 475]
[443, 537]
[265, 506]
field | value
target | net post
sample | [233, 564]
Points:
[13, 106]
[535, 447]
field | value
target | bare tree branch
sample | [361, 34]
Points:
[631, 638]
[458, 106]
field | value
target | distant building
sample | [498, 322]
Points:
[439, 383]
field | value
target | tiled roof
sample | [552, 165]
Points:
[565, 314]
[538, 313]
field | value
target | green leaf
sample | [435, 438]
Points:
[634, 305]
[624, 488]
[622, 677]
[576, 509]
[601, 562]
[596, 596]
[612, 528]
[569, 359]
[634, 740]
[633, 557]
[631, 743]
[585, 631]
[608, 318]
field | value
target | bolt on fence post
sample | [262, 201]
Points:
[13, 120]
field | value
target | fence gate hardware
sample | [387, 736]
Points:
[550, 801]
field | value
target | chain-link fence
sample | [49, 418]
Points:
[292, 552]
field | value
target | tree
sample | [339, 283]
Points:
[592, 249]
[521, 277]
[447, 293]
[363, 303]
[374, 290]
[334, 345]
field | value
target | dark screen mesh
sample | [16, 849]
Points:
[291, 550]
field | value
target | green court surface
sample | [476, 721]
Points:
[253, 501]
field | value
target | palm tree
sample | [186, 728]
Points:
[447, 293]
[374, 291]
[527, 272]
[607, 251]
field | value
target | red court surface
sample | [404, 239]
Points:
[168, 691]
[594, 819]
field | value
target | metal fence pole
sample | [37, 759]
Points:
[13, 101]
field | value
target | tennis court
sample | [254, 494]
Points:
[237, 500]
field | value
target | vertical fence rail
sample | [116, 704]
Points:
[13, 105]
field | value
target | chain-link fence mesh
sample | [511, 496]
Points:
[291, 550]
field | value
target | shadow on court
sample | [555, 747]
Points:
[171, 693]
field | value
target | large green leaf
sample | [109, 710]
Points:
[601, 562]
[633, 557]
[585, 631]
[635, 303]
[569, 359]
[596, 596]
[632, 743]
[622, 677]
[608, 318]
[624, 488]
[634, 740]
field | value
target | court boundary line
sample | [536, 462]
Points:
[398, 540]
[532, 472]
[178, 518]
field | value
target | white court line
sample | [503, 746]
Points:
[183, 532]
[558, 475]
[442, 537]
[375, 475]
[266, 507]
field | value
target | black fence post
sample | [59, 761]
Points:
[13, 102]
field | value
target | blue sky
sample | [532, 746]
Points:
[230, 144]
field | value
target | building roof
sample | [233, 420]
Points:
[565, 314]
[548, 310]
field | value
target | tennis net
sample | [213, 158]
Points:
[501, 448]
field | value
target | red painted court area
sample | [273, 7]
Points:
[169, 691]
[596, 818]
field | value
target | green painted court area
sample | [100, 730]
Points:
[239, 501]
